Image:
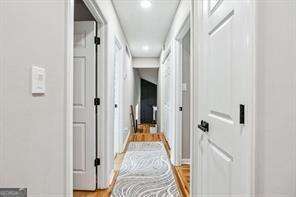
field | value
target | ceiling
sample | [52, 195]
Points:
[146, 26]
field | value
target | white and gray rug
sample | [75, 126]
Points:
[145, 172]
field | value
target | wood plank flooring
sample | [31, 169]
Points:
[145, 128]
[181, 173]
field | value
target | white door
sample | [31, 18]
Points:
[84, 132]
[117, 64]
[225, 52]
[167, 100]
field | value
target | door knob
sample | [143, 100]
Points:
[204, 126]
[116, 106]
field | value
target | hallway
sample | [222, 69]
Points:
[133, 98]
[181, 173]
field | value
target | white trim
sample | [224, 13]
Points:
[185, 161]
[69, 97]
[184, 29]
[126, 141]
[111, 177]
[196, 12]
[252, 99]
[95, 11]
[166, 54]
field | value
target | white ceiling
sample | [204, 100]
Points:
[146, 26]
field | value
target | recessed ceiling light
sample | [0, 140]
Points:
[146, 4]
[145, 48]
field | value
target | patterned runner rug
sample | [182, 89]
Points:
[145, 172]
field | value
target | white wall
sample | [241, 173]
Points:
[149, 74]
[32, 134]
[32, 128]
[276, 99]
[142, 62]
[182, 14]
[114, 30]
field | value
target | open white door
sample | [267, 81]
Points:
[224, 139]
[84, 131]
[117, 97]
[168, 124]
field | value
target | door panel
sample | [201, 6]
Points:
[220, 80]
[219, 171]
[84, 133]
[79, 82]
[225, 56]
[167, 100]
[117, 97]
[79, 134]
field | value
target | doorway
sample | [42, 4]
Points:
[182, 94]
[86, 50]
[148, 102]
[185, 148]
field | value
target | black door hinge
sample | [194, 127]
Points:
[97, 101]
[97, 162]
[97, 40]
[242, 114]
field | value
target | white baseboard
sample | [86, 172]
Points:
[185, 161]
[111, 178]
[126, 141]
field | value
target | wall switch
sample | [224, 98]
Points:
[38, 80]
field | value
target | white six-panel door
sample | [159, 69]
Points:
[84, 132]
[167, 100]
[224, 84]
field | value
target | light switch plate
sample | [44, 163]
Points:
[38, 80]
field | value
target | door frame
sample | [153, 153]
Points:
[196, 45]
[101, 85]
[185, 28]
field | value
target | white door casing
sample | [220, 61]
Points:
[84, 90]
[224, 68]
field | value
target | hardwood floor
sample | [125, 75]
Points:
[145, 128]
[181, 173]
[105, 192]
